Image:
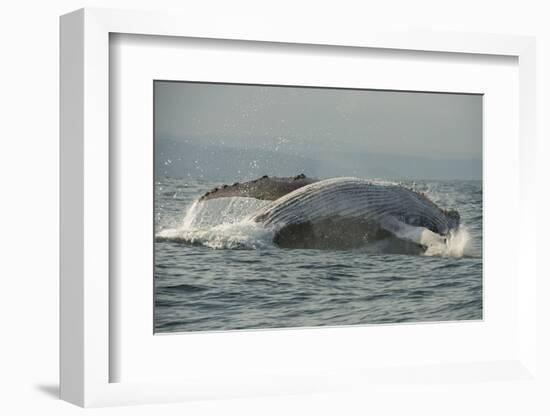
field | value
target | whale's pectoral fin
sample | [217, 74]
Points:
[414, 234]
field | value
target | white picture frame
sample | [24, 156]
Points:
[86, 292]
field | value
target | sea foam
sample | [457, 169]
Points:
[223, 223]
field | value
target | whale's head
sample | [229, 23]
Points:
[453, 218]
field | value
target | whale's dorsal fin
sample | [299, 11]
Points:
[262, 188]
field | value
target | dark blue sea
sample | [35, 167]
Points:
[215, 270]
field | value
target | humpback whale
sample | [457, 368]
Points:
[345, 213]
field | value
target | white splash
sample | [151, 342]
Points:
[223, 223]
[457, 244]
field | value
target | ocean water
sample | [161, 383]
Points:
[215, 270]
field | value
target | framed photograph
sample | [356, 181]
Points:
[266, 212]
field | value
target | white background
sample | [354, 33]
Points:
[29, 208]
[255, 354]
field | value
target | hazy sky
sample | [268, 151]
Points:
[324, 124]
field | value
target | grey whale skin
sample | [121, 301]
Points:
[345, 213]
[262, 188]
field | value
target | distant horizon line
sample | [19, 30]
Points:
[375, 152]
